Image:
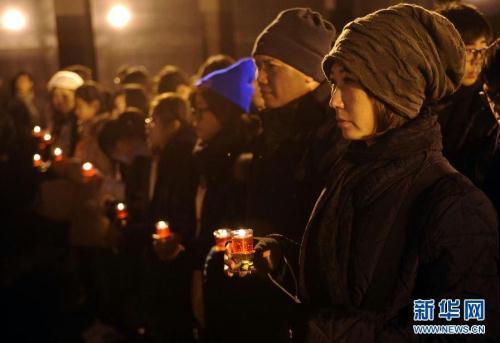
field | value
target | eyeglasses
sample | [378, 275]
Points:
[476, 54]
[480, 54]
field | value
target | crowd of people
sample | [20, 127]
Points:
[366, 162]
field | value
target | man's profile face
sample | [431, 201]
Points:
[279, 82]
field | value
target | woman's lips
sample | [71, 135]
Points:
[342, 122]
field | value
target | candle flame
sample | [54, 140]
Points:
[37, 129]
[162, 225]
[222, 233]
[240, 233]
[58, 151]
[47, 137]
[37, 157]
[87, 166]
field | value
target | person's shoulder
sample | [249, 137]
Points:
[454, 205]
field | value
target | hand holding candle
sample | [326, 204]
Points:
[166, 244]
[162, 230]
[58, 154]
[239, 253]
[88, 170]
[37, 160]
[121, 211]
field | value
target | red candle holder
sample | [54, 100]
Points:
[162, 230]
[221, 238]
[121, 211]
[37, 161]
[58, 154]
[88, 170]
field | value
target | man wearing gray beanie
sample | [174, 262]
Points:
[298, 144]
[300, 138]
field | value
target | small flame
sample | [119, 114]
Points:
[162, 225]
[87, 166]
[58, 151]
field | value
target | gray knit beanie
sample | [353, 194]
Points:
[403, 55]
[299, 37]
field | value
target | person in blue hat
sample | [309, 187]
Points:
[221, 101]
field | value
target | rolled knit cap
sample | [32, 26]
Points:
[233, 83]
[299, 37]
[404, 56]
[65, 79]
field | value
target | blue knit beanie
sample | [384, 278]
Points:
[233, 83]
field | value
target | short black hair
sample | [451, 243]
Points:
[213, 63]
[168, 107]
[169, 78]
[136, 75]
[136, 96]
[91, 91]
[130, 125]
[468, 21]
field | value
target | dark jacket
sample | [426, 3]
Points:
[469, 133]
[176, 184]
[395, 224]
[64, 130]
[292, 157]
[224, 201]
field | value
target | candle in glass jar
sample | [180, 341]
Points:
[88, 169]
[58, 154]
[121, 211]
[242, 241]
[162, 230]
[37, 160]
[221, 237]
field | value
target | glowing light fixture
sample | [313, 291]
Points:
[119, 16]
[13, 20]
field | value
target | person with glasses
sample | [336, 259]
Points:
[170, 187]
[465, 118]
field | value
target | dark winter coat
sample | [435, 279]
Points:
[176, 185]
[291, 160]
[224, 201]
[469, 133]
[395, 224]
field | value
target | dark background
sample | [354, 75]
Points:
[179, 32]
